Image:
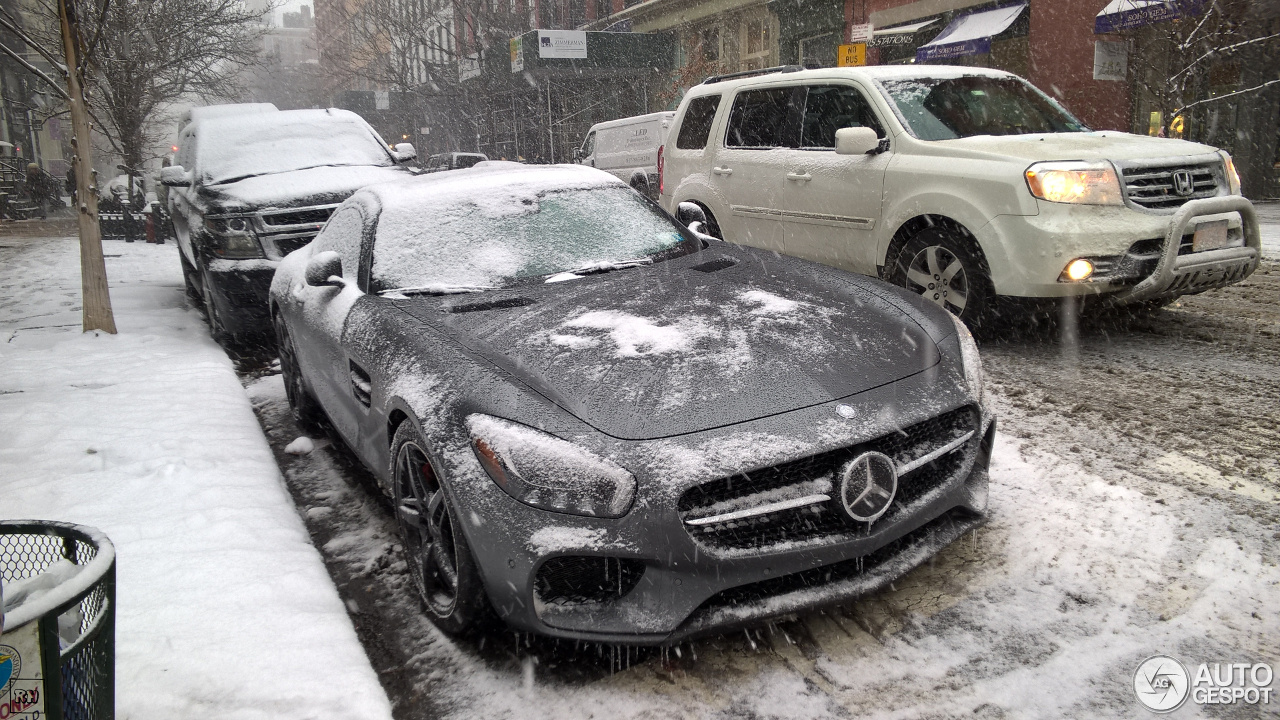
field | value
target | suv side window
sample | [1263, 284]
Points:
[342, 234]
[828, 108]
[696, 126]
[766, 118]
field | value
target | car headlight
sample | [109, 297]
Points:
[1233, 177]
[970, 358]
[1081, 183]
[549, 473]
[233, 238]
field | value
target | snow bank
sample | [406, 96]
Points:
[224, 606]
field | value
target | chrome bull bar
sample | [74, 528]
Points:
[1173, 267]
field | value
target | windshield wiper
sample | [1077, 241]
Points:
[435, 290]
[595, 268]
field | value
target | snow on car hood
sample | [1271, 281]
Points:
[666, 350]
[1104, 145]
[298, 188]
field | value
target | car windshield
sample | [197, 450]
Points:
[949, 108]
[498, 237]
[232, 151]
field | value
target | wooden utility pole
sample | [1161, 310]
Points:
[95, 298]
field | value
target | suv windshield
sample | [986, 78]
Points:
[490, 241]
[948, 108]
[264, 145]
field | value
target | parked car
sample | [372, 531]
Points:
[248, 189]
[604, 426]
[629, 149]
[454, 161]
[960, 184]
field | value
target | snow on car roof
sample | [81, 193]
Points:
[877, 72]
[263, 143]
[492, 183]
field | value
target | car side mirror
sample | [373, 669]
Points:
[856, 141]
[322, 268]
[688, 213]
[404, 152]
[175, 176]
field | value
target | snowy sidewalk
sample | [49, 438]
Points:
[225, 608]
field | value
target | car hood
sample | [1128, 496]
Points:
[1106, 145]
[298, 188]
[666, 350]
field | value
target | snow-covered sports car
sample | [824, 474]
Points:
[603, 425]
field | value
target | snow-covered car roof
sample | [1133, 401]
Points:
[491, 181]
[239, 146]
[873, 73]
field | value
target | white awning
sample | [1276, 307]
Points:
[904, 29]
[1124, 14]
[970, 34]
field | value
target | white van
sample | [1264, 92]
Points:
[628, 149]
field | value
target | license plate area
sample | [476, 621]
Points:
[1209, 236]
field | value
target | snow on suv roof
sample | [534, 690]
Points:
[875, 72]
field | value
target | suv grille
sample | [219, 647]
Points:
[827, 520]
[1154, 187]
[317, 216]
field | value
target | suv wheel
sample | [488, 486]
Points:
[189, 275]
[439, 559]
[941, 266]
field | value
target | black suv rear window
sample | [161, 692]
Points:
[696, 126]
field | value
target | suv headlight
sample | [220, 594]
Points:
[549, 473]
[233, 238]
[1229, 168]
[1082, 183]
[969, 357]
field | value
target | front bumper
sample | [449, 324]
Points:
[239, 288]
[687, 588]
[1148, 251]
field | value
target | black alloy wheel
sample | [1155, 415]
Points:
[941, 266]
[436, 551]
[306, 410]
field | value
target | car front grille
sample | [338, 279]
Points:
[1154, 188]
[803, 480]
[309, 216]
[288, 245]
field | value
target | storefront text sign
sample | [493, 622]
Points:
[564, 44]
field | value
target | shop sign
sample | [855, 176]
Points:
[468, 66]
[562, 44]
[517, 54]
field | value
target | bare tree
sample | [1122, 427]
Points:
[141, 56]
[1198, 61]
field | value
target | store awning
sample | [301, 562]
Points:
[898, 35]
[970, 34]
[1124, 14]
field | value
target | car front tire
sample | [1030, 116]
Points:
[942, 266]
[440, 561]
[306, 410]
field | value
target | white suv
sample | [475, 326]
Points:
[960, 184]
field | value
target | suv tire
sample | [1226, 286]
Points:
[941, 265]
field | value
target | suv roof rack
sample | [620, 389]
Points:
[750, 73]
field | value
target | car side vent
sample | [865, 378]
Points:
[491, 305]
[714, 265]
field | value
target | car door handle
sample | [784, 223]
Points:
[722, 170]
[800, 177]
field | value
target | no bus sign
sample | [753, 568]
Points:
[854, 55]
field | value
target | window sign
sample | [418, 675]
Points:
[1110, 60]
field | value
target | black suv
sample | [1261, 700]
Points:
[248, 188]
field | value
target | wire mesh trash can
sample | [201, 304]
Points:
[57, 625]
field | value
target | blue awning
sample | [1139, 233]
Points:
[1124, 14]
[970, 34]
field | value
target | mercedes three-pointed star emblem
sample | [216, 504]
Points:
[867, 486]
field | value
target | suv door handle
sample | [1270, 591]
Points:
[801, 177]
[722, 170]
